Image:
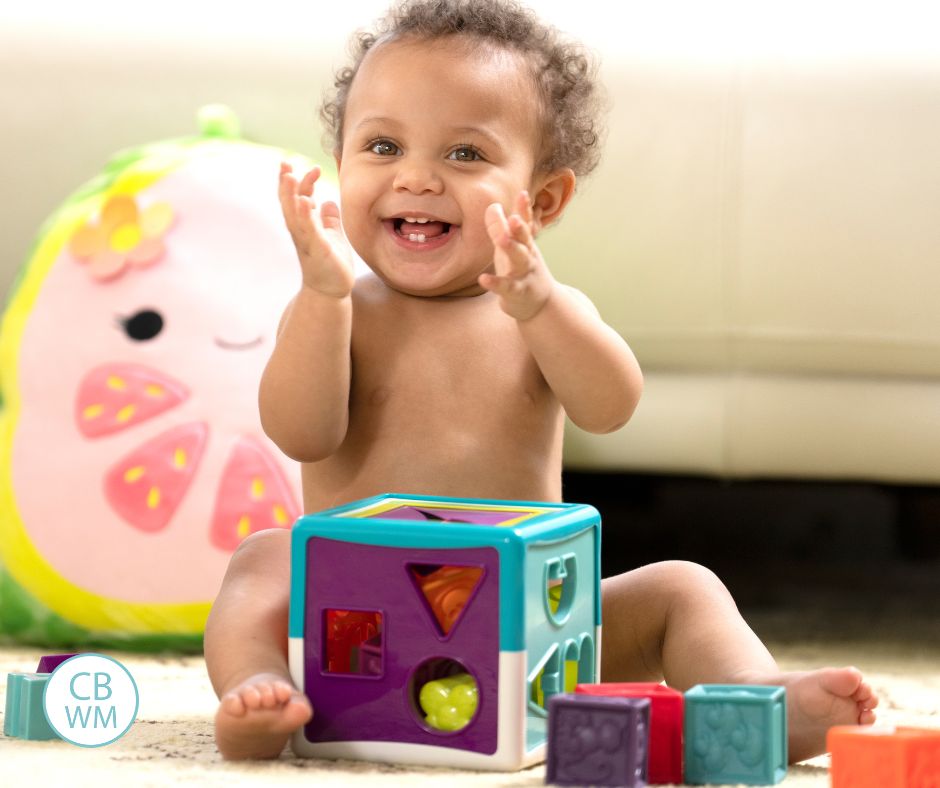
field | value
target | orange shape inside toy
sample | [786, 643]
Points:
[447, 590]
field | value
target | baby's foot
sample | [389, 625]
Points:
[819, 699]
[256, 718]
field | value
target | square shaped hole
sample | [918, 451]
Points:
[352, 642]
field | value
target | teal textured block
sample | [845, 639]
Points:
[735, 734]
[24, 717]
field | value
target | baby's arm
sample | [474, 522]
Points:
[586, 363]
[304, 392]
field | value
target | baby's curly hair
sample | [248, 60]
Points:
[563, 71]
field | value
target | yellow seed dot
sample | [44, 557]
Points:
[257, 489]
[153, 390]
[125, 414]
[179, 458]
[280, 516]
[244, 526]
[153, 498]
[125, 238]
[116, 383]
[92, 412]
[134, 474]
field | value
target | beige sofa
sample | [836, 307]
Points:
[764, 228]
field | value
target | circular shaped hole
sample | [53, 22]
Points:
[444, 695]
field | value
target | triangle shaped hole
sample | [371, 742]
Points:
[446, 590]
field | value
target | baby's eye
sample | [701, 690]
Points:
[384, 148]
[465, 153]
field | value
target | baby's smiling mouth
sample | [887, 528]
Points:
[419, 229]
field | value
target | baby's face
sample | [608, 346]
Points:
[435, 133]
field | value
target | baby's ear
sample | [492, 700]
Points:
[551, 193]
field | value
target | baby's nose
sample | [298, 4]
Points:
[418, 178]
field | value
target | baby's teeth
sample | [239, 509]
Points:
[413, 220]
[418, 237]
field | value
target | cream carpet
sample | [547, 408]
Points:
[171, 743]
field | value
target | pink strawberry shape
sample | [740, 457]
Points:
[253, 495]
[114, 397]
[147, 485]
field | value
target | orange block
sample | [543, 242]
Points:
[867, 757]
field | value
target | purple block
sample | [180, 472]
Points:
[379, 701]
[597, 740]
[50, 662]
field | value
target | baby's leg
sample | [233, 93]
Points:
[677, 621]
[246, 651]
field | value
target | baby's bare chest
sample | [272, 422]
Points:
[464, 370]
[443, 401]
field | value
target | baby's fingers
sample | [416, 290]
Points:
[496, 224]
[511, 239]
[286, 188]
[500, 285]
[520, 230]
[306, 185]
[524, 207]
[330, 216]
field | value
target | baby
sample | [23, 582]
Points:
[448, 370]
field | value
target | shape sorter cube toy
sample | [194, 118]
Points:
[868, 757]
[598, 740]
[735, 734]
[666, 723]
[434, 630]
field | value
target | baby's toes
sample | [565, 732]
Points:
[233, 704]
[864, 696]
[297, 712]
[268, 696]
[282, 691]
[251, 696]
[867, 717]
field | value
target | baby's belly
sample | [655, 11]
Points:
[452, 464]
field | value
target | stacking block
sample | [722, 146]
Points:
[597, 740]
[50, 662]
[865, 757]
[735, 734]
[666, 722]
[24, 717]
[435, 630]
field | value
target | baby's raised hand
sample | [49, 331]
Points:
[326, 258]
[522, 280]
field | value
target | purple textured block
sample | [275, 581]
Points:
[50, 662]
[597, 740]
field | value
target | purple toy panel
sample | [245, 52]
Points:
[368, 599]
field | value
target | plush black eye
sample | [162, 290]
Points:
[143, 325]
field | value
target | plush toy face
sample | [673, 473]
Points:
[137, 461]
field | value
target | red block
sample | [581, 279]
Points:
[666, 710]
[866, 757]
